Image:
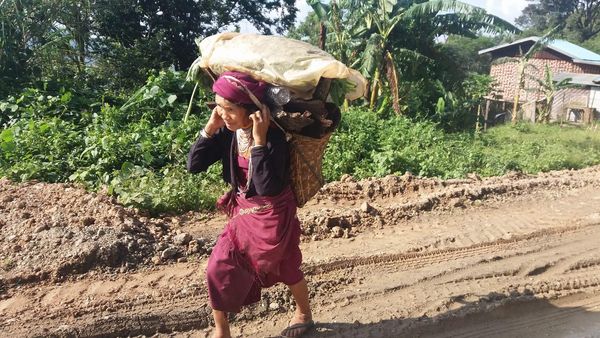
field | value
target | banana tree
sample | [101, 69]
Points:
[548, 87]
[377, 23]
[337, 31]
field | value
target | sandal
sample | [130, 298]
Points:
[297, 330]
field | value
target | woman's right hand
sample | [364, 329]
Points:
[215, 122]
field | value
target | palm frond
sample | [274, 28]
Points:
[388, 5]
[392, 24]
[531, 67]
[435, 7]
[465, 24]
[505, 59]
[541, 43]
[565, 83]
[371, 55]
[320, 9]
[411, 55]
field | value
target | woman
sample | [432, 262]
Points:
[259, 246]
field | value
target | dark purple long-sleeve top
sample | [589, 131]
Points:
[270, 163]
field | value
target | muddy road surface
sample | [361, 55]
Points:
[401, 256]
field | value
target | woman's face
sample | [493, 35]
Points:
[234, 116]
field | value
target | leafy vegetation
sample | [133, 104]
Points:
[367, 146]
[579, 19]
[134, 148]
[115, 45]
[393, 43]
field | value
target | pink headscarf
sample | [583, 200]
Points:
[232, 91]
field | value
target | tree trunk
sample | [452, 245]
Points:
[513, 118]
[520, 85]
[392, 77]
[374, 89]
[487, 114]
[477, 122]
[322, 35]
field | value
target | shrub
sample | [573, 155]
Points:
[137, 145]
[45, 149]
[171, 189]
[367, 146]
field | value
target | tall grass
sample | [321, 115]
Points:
[533, 148]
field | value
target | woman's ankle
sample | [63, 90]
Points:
[221, 325]
[301, 317]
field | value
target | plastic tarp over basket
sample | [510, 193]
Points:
[275, 59]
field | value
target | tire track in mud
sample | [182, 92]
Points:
[535, 245]
[167, 312]
[584, 264]
[530, 247]
[411, 260]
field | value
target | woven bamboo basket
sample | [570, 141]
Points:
[306, 159]
[306, 162]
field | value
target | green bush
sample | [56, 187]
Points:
[50, 138]
[45, 149]
[33, 103]
[534, 148]
[171, 189]
[366, 146]
[351, 146]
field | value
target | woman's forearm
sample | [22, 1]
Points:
[204, 152]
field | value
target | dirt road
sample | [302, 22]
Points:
[513, 256]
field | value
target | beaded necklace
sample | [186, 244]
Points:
[244, 146]
[244, 141]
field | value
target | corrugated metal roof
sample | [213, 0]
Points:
[579, 79]
[575, 52]
[491, 49]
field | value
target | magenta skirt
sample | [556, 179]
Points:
[258, 248]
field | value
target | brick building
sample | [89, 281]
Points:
[565, 60]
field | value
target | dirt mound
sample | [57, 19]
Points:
[343, 208]
[54, 230]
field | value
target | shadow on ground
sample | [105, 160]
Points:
[529, 318]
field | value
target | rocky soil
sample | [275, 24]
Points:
[390, 257]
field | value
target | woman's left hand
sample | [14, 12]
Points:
[260, 126]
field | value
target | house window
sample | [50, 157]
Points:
[575, 114]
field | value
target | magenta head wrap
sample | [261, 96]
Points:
[231, 90]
